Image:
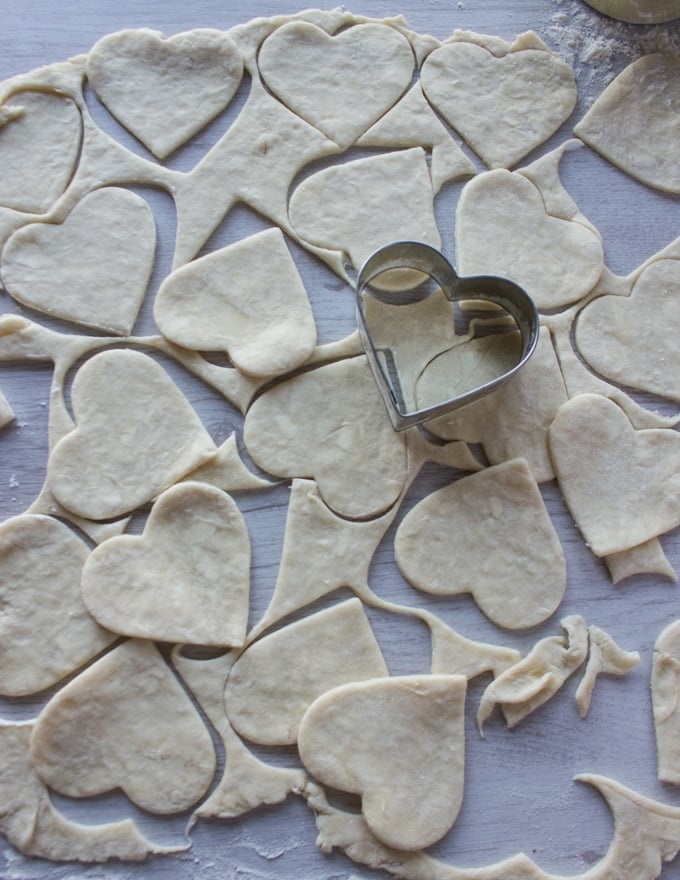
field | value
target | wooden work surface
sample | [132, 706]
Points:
[520, 794]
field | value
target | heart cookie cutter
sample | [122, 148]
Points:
[501, 318]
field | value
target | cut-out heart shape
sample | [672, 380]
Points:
[45, 629]
[632, 339]
[359, 206]
[621, 485]
[556, 261]
[397, 742]
[165, 90]
[93, 268]
[634, 122]
[503, 99]
[247, 300]
[125, 722]
[348, 447]
[186, 579]
[273, 683]
[40, 135]
[136, 434]
[323, 78]
[488, 534]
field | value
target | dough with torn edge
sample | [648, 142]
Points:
[46, 632]
[185, 579]
[330, 423]
[503, 98]
[93, 268]
[635, 123]
[32, 824]
[631, 340]
[622, 485]
[323, 77]
[125, 722]
[227, 471]
[40, 134]
[246, 782]
[513, 421]
[646, 558]
[528, 684]
[150, 83]
[666, 702]
[136, 434]
[604, 657]
[246, 299]
[556, 261]
[646, 834]
[277, 678]
[397, 742]
[488, 534]
[356, 207]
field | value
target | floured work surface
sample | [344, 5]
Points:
[243, 619]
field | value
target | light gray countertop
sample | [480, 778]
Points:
[520, 794]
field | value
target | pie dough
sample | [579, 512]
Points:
[634, 122]
[665, 702]
[397, 742]
[604, 657]
[488, 534]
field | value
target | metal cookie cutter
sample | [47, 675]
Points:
[435, 341]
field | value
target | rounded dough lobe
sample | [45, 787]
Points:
[399, 743]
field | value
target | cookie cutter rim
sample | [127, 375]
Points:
[489, 288]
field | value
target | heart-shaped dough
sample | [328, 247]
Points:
[400, 744]
[359, 206]
[503, 99]
[247, 300]
[186, 579]
[136, 434]
[634, 122]
[621, 485]
[93, 268]
[323, 78]
[632, 340]
[125, 722]
[40, 136]
[330, 424]
[556, 261]
[277, 678]
[165, 90]
[45, 630]
[488, 534]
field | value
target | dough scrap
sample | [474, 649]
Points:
[504, 99]
[32, 824]
[488, 534]
[349, 448]
[556, 261]
[604, 656]
[638, 11]
[247, 300]
[185, 579]
[93, 268]
[646, 558]
[40, 133]
[621, 485]
[227, 471]
[150, 83]
[358, 206]
[275, 680]
[399, 743]
[322, 77]
[635, 123]
[125, 722]
[513, 421]
[665, 686]
[631, 339]
[98, 473]
[528, 684]
[46, 632]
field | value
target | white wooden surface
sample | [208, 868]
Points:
[519, 789]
